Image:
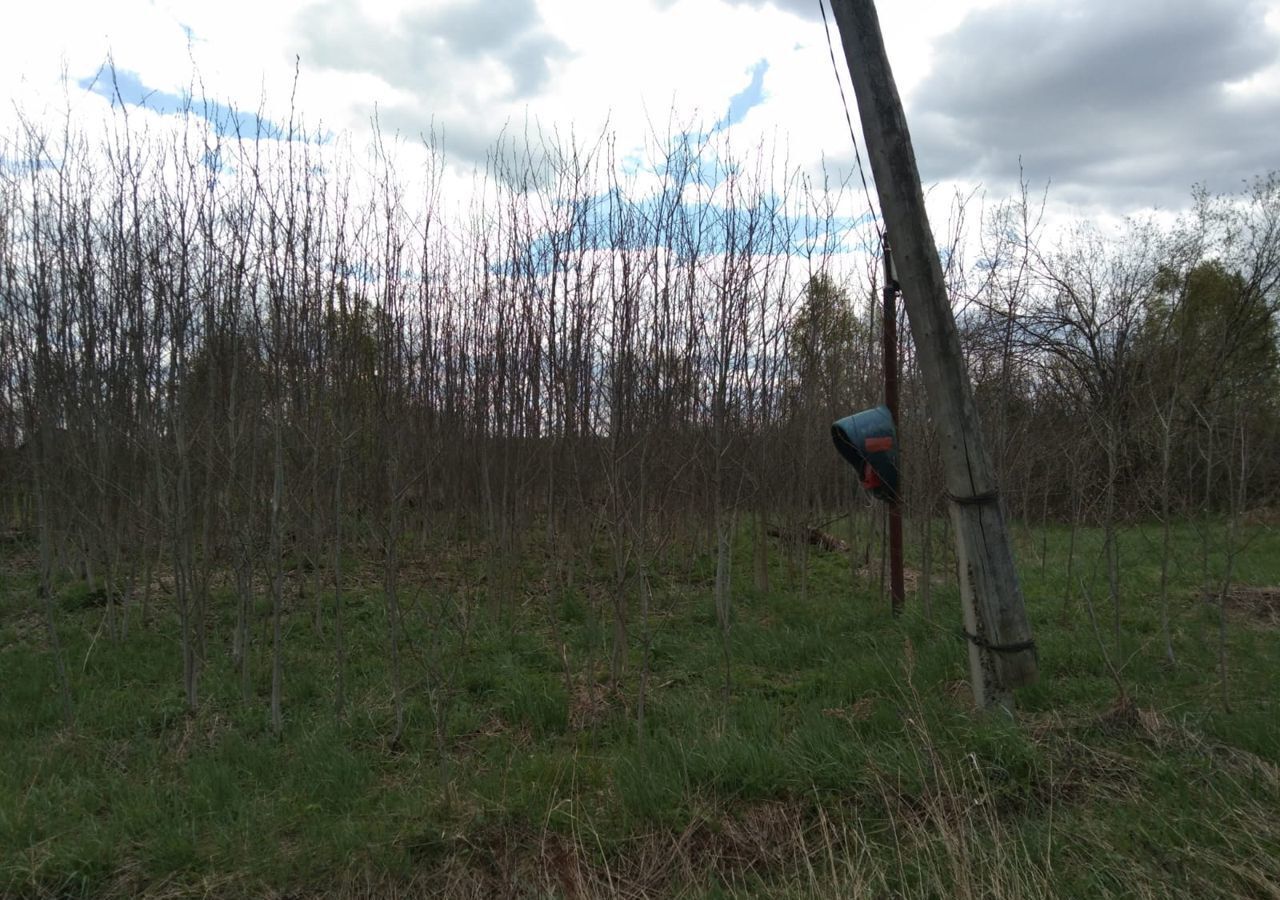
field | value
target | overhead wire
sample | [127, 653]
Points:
[848, 118]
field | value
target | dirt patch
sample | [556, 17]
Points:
[1255, 604]
[960, 691]
[197, 734]
[593, 703]
[859, 711]
[1263, 515]
[28, 629]
[910, 577]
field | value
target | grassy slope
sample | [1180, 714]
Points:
[846, 763]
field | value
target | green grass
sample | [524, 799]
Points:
[846, 761]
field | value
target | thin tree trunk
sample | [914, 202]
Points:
[723, 610]
[46, 595]
[1071, 551]
[277, 578]
[1110, 539]
[1166, 527]
[340, 691]
[646, 595]
[760, 543]
[926, 565]
[391, 595]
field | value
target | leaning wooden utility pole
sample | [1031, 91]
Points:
[1002, 655]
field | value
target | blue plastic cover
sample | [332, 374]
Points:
[869, 442]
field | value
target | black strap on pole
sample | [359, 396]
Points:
[977, 641]
[976, 499]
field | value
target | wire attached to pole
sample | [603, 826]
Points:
[853, 135]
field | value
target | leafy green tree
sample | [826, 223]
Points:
[1216, 334]
[826, 347]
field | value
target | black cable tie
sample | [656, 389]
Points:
[976, 499]
[1019, 647]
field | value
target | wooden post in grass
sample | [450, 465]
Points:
[1002, 655]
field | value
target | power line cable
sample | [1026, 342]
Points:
[853, 135]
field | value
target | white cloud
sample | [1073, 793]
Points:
[645, 68]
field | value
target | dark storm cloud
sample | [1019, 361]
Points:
[422, 51]
[1117, 104]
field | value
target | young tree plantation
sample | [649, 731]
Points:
[364, 537]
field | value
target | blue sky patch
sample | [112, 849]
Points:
[614, 221]
[750, 96]
[23, 165]
[124, 86]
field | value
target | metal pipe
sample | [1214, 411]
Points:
[897, 588]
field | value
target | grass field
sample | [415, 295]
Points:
[846, 762]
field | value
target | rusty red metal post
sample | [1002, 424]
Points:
[897, 589]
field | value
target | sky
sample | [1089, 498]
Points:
[1112, 106]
